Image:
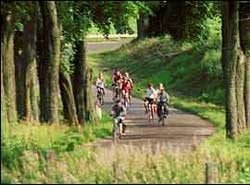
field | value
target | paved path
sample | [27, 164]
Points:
[182, 130]
[97, 47]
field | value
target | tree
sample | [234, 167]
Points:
[244, 26]
[235, 64]
[26, 68]
[7, 43]
[49, 63]
[69, 106]
[180, 19]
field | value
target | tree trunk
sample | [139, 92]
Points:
[42, 41]
[3, 108]
[247, 91]
[82, 85]
[245, 45]
[26, 69]
[69, 107]
[234, 67]
[90, 107]
[31, 86]
[49, 66]
[8, 66]
[19, 71]
[140, 27]
[79, 80]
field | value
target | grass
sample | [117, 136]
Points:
[129, 164]
[18, 139]
[115, 39]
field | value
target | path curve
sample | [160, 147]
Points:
[182, 130]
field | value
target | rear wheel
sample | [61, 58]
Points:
[150, 112]
[115, 133]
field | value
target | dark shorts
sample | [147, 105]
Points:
[150, 100]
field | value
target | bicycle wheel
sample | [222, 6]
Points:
[115, 132]
[150, 113]
[102, 99]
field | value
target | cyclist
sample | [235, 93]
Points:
[129, 79]
[150, 96]
[131, 85]
[116, 81]
[118, 112]
[100, 84]
[162, 99]
[126, 87]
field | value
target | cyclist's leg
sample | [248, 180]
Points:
[120, 124]
[103, 90]
[166, 109]
[146, 105]
[154, 107]
[115, 122]
[158, 109]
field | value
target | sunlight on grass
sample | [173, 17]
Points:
[131, 164]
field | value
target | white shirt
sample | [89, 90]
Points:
[151, 93]
[100, 83]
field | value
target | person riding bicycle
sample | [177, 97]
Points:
[116, 81]
[150, 96]
[162, 100]
[129, 79]
[131, 85]
[126, 87]
[116, 77]
[118, 112]
[100, 83]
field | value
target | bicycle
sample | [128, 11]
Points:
[162, 114]
[118, 128]
[125, 100]
[100, 96]
[116, 92]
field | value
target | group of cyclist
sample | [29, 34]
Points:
[155, 99]
[122, 86]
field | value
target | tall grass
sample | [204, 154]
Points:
[18, 140]
[130, 164]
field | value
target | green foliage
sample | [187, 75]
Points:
[75, 19]
[67, 56]
[12, 149]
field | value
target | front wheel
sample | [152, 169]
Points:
[115, 132]
[150, 112]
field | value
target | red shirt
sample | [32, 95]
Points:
[126, 86]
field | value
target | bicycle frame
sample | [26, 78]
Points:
[100, 95]
[117, 128]
[163, 114]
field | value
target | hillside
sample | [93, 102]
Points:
[186, 68]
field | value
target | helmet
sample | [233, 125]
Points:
[150, 84]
